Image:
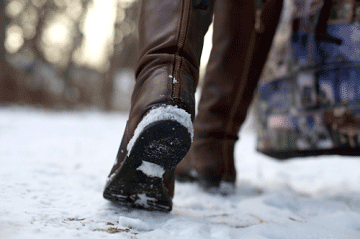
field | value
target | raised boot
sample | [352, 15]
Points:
[236, 61]
[158, 133]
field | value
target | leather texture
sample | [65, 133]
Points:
[238, 56]
[171, 37]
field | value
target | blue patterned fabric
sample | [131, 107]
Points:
[315, 110]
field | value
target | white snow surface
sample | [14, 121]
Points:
[163, 112]
[54, 167]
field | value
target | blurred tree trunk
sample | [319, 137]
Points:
[3, 63]
[108, 89]
[77, 42]
[124, 55]
[7, 84]
[44, 11]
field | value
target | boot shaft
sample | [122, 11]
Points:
[238, 56]
[235, 65]
[171, 37]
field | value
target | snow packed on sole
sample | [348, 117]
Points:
[138, 182]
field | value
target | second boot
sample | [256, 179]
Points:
[240, 49]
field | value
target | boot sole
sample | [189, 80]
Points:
[138, 182]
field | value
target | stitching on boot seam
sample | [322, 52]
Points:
[184, 24]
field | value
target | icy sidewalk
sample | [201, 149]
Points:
[54, 166]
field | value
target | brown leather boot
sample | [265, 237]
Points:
[236, 61]
[159, 131]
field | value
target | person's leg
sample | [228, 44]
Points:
[159, 130]
[234, 22]
[237, 59]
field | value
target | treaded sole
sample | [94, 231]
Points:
[162, 144]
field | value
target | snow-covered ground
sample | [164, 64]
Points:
[53, 167]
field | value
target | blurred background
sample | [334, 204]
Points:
[68, 54]
[74, 54]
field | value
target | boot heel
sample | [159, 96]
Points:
[163, 137]
[154, 149]
[163, 143]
